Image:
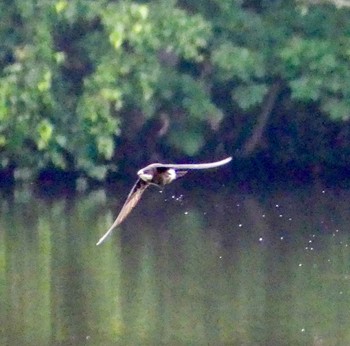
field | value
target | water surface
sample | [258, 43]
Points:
[186, 268]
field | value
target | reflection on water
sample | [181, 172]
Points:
[202, 269]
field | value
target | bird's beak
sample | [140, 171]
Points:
[144, 176]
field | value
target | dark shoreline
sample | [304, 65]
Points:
[243, 174]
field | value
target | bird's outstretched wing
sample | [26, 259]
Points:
[133, 198]
[190, 166]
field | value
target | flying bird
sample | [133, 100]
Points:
[158, 174]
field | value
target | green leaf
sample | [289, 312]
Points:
[248, 96]
[306, 88]
[189, 142]
[239, 62]
[338, 109]
[105, 146]
[44, 130]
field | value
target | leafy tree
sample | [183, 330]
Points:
[84, 83]
[79, 65]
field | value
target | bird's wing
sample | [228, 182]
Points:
[133, 198]
[190, 166]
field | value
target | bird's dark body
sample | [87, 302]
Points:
[162, 176]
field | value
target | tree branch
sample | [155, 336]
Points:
[257, 133]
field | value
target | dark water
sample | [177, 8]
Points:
[186, 268]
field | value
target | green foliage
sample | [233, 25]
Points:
[239, 62]
[72, 113]
[25, 84]
[134, 71]
[317, 71]
[248, 96]
[73, 72]
[44, 134]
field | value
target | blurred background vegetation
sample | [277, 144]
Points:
[92, 89]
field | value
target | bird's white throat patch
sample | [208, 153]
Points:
[144, 176]
[172, 174]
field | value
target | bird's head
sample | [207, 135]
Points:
[145, 175]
